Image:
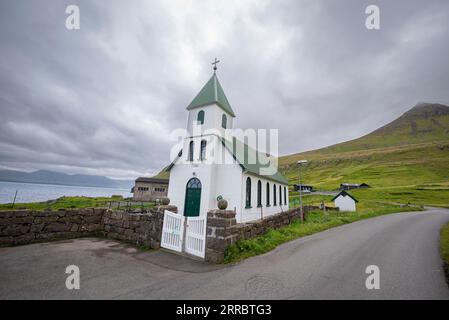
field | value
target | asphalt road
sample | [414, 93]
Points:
[327, 265]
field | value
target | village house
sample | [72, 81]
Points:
[198, 182]
[345, 202]
[304, 187]
[349, 186]
[150, 189]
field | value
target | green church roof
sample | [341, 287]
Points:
[254, 161]
[212, 92]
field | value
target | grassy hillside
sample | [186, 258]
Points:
[406, 160]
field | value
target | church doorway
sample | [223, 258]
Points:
[193, 198]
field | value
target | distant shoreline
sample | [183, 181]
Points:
[63, 185]
[41, 192]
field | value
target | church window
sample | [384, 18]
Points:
[203, 150]
[200, 117]
[248, 193]
[280, 195]
[285, 195]
[268, 194]
[224, 121]
[191, 146]
[259, 194]
[274, 194]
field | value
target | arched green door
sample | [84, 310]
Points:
[193, 198]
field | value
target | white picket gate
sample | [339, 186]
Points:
[172, 231]
[195, 234]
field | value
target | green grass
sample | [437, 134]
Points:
[396, 167]
[404, 161]
[421, 195]
[444, 248]
[316, 221]
[444, 243]
[69, 203]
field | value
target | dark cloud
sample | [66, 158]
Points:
[104, 99]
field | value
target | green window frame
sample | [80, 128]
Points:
[259, 194]
[203, 150]
[274, 195]
[280, 195]
[200, 117]
[285, 195]
[224, 121]
[248, 193]
[268, 194]
[191, 148]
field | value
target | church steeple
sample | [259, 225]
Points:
[211, 93]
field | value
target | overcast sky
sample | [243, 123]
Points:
[104, 99]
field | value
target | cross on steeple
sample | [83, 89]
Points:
[215, 64]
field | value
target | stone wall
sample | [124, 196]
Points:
[26, 226]
[223, 230]
[143, 228]
[139, 228]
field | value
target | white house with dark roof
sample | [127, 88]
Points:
[345, 202]
[212, 166]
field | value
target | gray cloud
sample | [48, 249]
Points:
[103, 99]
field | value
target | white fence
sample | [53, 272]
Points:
[194, 234]
[172, 231]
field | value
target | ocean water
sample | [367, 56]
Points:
[31, 192]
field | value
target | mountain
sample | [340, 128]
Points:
[412, 150]
[424, 122]
[51, 177]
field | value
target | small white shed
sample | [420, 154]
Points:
[345, 201]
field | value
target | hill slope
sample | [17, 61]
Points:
[410, 154]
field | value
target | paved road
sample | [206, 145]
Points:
[327, 265]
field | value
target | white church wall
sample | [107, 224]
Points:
[184, 170]
[228, 185]
[212, 117]
[345, 203]
[256, 213]
[226, 180]
[179, 177]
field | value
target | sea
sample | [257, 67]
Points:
[33, 192]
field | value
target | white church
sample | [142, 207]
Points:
[213, 166]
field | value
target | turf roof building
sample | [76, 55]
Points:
[214, 166]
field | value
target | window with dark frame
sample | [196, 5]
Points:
[200, 117]
[280, 195]
[285, 195]
[248, 193]
[191, 146]
[259, 194]
[203, 150]
[224, 121]
[268, 194]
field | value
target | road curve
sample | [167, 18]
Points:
[326, 265]
[332, 264]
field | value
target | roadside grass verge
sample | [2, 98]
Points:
[71, 203]
[316, 221]
[444, 249]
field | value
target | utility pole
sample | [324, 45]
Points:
[301, 212]
[14, 201]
